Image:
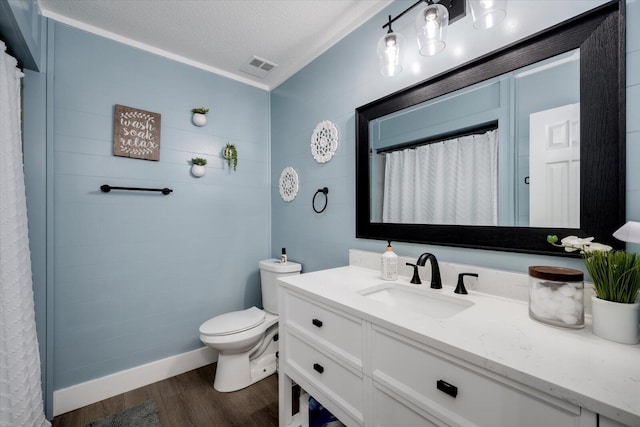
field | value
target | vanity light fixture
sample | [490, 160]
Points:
[431, 28]
[391, 52]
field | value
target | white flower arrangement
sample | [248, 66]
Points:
[575, 243]
[615, 274]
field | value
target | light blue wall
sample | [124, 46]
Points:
[330, 88]
[137, 273]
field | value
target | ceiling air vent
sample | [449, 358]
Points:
[258, 67]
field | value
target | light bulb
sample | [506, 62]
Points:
[390, 54]
[432, 27]
[390, 40]
[391, 51]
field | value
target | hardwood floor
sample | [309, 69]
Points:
[189, 399]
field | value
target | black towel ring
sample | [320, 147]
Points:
[324, 191]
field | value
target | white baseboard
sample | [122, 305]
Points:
[83, 394]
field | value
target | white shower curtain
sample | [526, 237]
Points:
[448, 182]
[20, 387]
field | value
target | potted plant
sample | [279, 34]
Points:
[231, 154]
[615, 311]
[197, 166]
[199, 116]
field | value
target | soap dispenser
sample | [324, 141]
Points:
[389, 264]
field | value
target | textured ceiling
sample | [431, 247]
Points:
[220, 35]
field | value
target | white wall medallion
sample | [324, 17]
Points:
[288, 184]
[324, 141]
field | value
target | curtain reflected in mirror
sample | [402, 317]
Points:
[443, 182]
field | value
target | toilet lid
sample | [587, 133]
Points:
[231, 323]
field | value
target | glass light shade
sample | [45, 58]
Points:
[487, 13]
[431, 27]
[630, 232]
[391, 53]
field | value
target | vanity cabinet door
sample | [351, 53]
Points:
[451, 392]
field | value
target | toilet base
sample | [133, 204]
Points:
[263, 367]
[236, 371]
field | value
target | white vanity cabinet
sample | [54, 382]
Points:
[368, 375]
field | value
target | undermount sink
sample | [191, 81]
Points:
[422, 301]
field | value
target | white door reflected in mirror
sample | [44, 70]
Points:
[554, 149]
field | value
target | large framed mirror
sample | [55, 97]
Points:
[519, 198]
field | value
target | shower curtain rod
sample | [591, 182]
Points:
[106, 188]
[459, 133]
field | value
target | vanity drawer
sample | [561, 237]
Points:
[339, 331]
[388, 410]
[344, 386]
[459, 394]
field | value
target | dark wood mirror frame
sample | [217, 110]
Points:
[600, 35]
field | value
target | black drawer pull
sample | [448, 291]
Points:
[445, 387]
[318, 368]
[317, 323]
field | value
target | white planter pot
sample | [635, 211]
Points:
[198, 170]
[615, 321]
[199, 119]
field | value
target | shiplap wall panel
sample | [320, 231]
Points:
[137, 273]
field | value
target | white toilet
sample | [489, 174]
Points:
[246, 340]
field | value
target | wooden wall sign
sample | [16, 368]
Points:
[136, 133]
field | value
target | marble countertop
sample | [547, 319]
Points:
[497, 334]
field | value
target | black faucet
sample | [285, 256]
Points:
[436, 281]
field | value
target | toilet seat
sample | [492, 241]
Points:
[234, 322]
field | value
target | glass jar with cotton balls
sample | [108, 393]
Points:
[556, 296]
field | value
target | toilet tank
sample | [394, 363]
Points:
[270, 271]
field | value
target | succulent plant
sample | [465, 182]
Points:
[199, 161]
[231, 154]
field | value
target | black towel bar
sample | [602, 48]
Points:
[106, 188]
